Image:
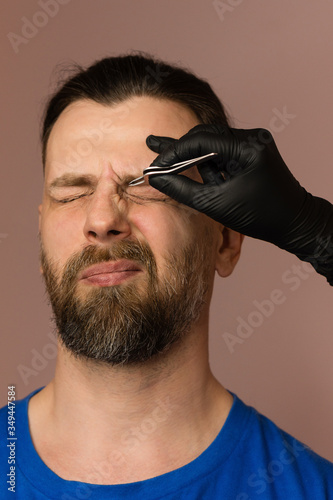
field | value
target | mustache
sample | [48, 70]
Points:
[130, 250]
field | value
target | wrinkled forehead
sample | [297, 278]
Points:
[88, 132]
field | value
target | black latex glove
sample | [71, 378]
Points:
[248, 188]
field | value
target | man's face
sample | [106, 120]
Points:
[127, 269]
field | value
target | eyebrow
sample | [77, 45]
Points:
[84, 180]
[67, 180]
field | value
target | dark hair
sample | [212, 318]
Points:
[114, 79]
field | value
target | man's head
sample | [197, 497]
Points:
[128, 270]
[113, 80]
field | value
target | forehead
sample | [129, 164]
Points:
[87, 132]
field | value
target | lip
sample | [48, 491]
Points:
[110, 273]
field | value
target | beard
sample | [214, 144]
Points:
[130, 322]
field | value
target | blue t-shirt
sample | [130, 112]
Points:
[251, 458]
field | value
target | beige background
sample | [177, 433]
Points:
[261, 58]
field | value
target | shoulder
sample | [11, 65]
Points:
[276, 457]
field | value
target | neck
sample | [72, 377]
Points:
[172, 403]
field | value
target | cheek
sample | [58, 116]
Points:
[58, 235]
[166, 228]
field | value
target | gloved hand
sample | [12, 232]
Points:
[248, 188]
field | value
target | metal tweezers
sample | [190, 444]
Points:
[176, 167]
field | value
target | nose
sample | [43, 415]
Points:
[106, 219]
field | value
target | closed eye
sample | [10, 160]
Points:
[73, 198]
[138, 198]
[145, 192]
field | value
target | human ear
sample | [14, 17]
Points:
[228, 251]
